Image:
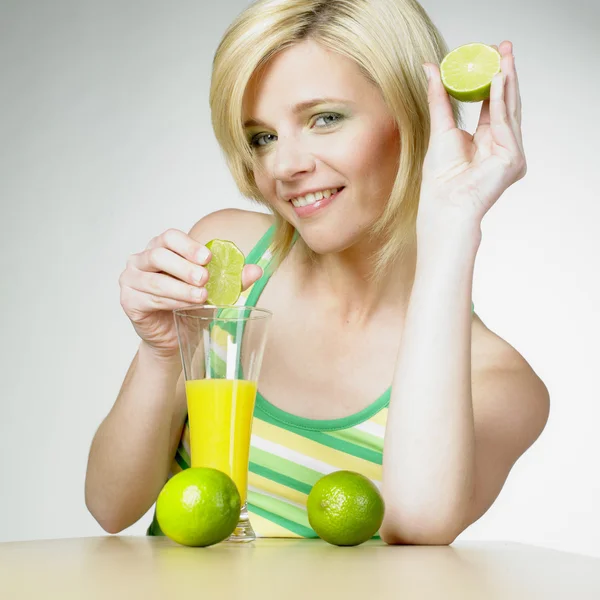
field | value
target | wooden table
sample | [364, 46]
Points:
[137, 567]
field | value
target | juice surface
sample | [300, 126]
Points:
[220, 421]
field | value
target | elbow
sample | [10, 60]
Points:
[111, 527]
[395, 534]
[109, 522]
[397, 538]
[108, 519]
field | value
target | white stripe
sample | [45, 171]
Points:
[251, 488]
[231, 360]
[220, 351]
[372, 428]
[292, 455]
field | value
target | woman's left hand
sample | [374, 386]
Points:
[464, 174]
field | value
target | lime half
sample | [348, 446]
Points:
[224, 284]
[467, 71]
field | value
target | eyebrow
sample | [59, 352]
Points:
[300, 108]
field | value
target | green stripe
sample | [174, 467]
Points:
[281, 416]
[289, 525]
[282, 509]
[282, 465]
[185, 457]
[360, 438]
[261, 246]
[267, 266]
[328, 439]
[181, 462]
[217, 366]
[154, 528]
[280, 478]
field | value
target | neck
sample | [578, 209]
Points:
[343, 282]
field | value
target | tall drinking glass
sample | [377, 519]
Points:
[221, 350]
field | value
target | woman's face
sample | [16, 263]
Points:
[348, 140]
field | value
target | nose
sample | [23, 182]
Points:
[291, 159]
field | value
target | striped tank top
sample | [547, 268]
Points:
[288, 453]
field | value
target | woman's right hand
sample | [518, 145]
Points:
[169, 274]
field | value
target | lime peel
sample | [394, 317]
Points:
[198, 507]
[345, 508]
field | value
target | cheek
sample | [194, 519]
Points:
[264, 183]
[373, 155]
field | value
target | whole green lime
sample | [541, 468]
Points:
[345, 508]
[198, 507]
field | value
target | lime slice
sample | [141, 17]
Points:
[224, 284]
[468, 70]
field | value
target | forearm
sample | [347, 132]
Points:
[129, 457]
[428, 460]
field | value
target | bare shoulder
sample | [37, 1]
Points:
[243, 227]
[503, 381]
[491, 351]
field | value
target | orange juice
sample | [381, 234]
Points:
[220, 420]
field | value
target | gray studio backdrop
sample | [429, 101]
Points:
[105, 141]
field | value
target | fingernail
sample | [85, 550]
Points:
[203, 255]
[427, 74]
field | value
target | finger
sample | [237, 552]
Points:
[163, 260]
[161, 285]
[250, 274]
[484, 115]
[502, 130]
[147, 303]
[181, 243]
[506, 47]
[512, 94]
[440, 109]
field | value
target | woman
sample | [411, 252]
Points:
[325, 116]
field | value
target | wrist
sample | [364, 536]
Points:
[161, 358]
[449, 238]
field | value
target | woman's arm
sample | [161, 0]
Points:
[429, 450]
[133, 448]
[453, 435]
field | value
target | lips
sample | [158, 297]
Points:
[319, 205]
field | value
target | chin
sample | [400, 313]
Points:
[328, 240]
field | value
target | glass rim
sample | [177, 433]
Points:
[258, 313]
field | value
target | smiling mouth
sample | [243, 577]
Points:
[318, 205]
[311, 199]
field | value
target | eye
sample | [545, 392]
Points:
[260, 140]
[327, 116]
[255, 140]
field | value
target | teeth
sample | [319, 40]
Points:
[312, 198]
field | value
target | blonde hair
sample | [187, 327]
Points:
[389, 40]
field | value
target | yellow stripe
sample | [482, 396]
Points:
[220, 336]
[380, 418]
[265, 528]
[281, 491]
[295, 442]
